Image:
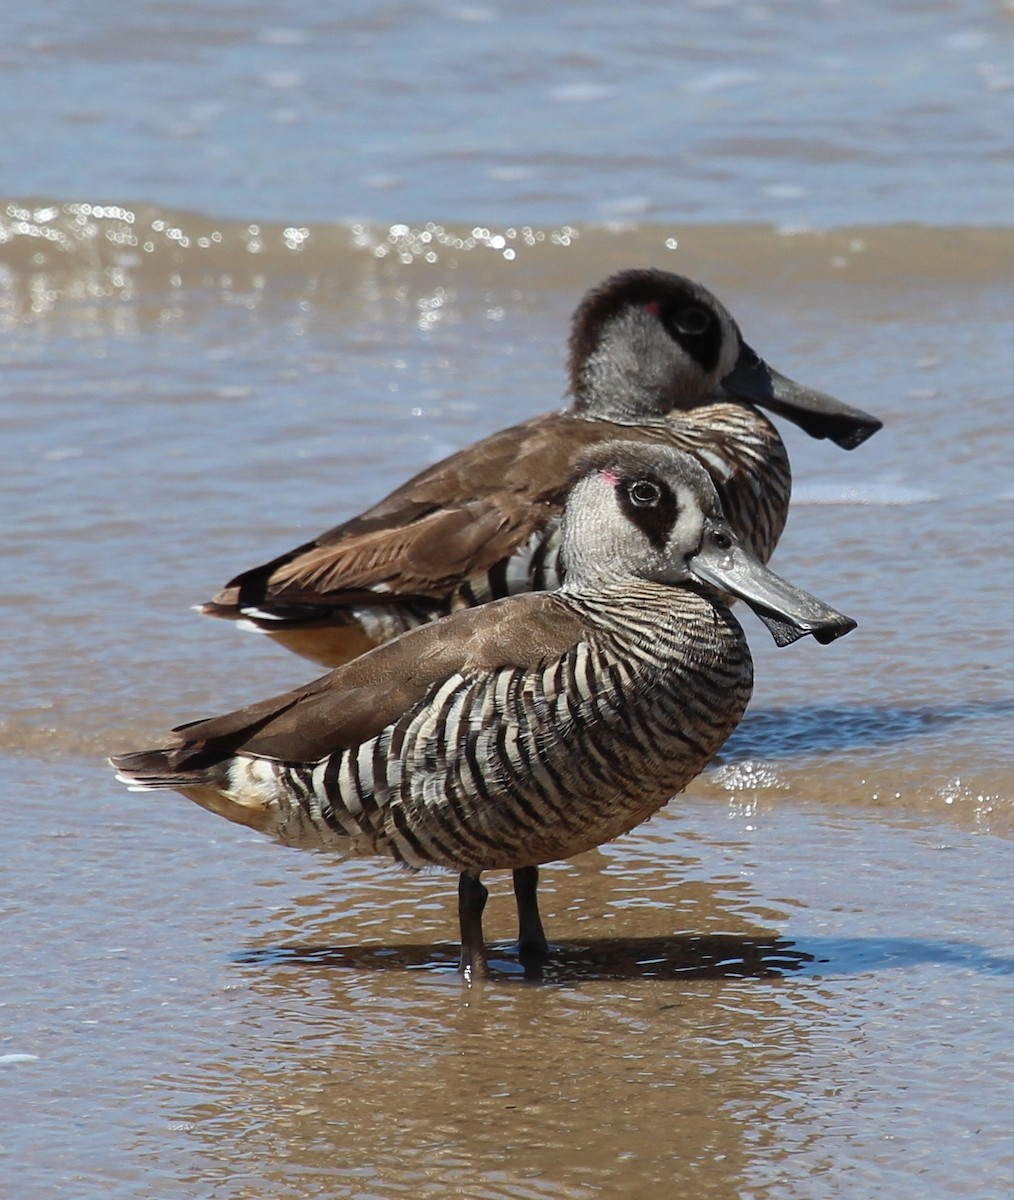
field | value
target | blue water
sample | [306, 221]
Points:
[801, 113]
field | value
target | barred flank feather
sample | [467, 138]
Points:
[527, 766]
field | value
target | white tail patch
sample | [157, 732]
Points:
[256, 614]
[134, 786]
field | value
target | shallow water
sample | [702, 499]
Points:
[797, 112]
[218, 340]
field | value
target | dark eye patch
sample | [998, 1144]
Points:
[644, 493]
[691, 321]
[697, 330]
[650, 504]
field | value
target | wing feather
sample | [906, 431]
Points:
[452, 521]
[352, 704]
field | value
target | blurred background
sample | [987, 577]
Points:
[259, 263]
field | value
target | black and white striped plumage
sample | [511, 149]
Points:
[653, 357]
[523, 731]
[482, 774]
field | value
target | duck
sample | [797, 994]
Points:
[522, 731]
[653, 356]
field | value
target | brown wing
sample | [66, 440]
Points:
[354, 703]
[426, 557]
[453, 520]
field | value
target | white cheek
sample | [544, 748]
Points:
[689, 527]
[730, 348]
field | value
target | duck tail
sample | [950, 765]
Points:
[150, 770]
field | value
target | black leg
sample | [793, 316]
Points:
[532, 942]
[471, 901]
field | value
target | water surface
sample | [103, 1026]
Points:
[257, 266]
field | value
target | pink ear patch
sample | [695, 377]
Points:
[611, 476]
[653, 308]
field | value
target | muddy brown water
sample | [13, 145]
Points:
[795, 983]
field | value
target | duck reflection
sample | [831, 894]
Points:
[689, 956]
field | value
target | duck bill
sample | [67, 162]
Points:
[788, 612]
[819, 415]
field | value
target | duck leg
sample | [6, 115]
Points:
[471, 901]
[532, 942]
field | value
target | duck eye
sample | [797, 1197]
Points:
[691, 321]
[723, 541]
[644, 493]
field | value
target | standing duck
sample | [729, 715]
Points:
[653, 357]
[526, 730]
